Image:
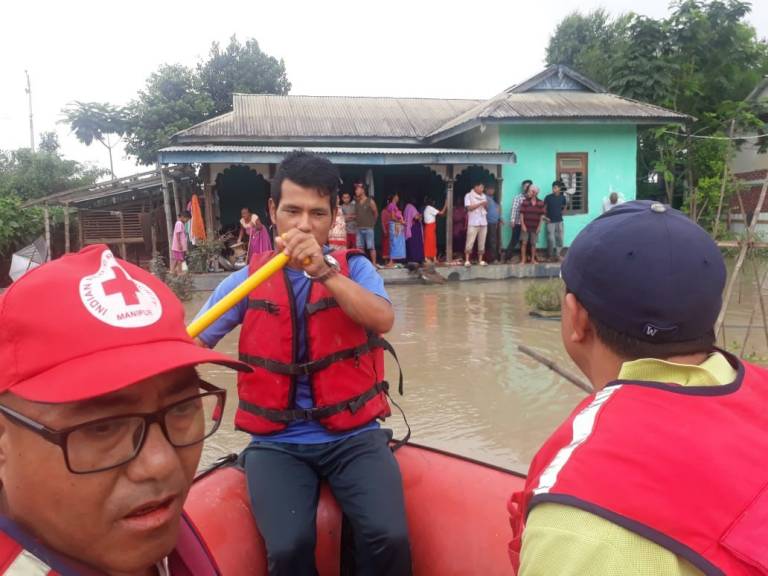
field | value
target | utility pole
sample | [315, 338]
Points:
[31, 124]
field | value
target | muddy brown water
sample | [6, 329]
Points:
[467, 387]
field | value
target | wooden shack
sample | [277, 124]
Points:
[134, 215]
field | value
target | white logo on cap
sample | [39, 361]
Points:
[115, 298]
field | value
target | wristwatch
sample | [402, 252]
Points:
[333, 268]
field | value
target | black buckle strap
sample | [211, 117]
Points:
[309, 414]
[323, 304]
[307, 368]
[265, 305]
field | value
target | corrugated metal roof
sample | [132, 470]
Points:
[379, 156]
[561, 105]
[557, 93]
[273, 117]
[327, 150]
[141, 182]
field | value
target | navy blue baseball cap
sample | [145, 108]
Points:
[647, 271]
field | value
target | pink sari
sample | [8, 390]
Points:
[258, 240]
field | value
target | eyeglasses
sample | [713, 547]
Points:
[107, 443]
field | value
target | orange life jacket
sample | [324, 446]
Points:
[345, 363]
[685, 467]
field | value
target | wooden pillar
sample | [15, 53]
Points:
[167, 205]
[176, 199]
[154, 234]
[500, 227]
[66, 229]
[449, 215]
[80, 231]
[47, 217]
[205, 176]
[123, 250]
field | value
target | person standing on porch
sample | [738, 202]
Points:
[430, 230]
[531, 214]
[348, 206]
[258, 235]
[396, 228]
[476, 202]
[514, 220]
[554, 204]
[494, 219]
[337, 237]
[180, 243]
[366, 214]
[414, 234]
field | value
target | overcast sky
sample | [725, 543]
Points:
[103, 51]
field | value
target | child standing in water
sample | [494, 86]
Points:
[180, 242]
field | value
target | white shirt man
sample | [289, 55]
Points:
[476, 204]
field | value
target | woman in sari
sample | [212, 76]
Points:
[414, 235]
[385, 217]
[396, 231]
[337, 236]
[430, 230]
[258, 235]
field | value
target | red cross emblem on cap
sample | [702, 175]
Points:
[122, 285]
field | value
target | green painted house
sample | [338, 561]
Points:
[555, 125]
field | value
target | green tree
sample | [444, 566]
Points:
[49, 142]
[176, 97]
[31, 175]
[701, 60]
[240, 68]
[97, 121]
[589, 43]
[172, 100]
[26, 175]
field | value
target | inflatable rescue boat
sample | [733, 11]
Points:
[456, 510]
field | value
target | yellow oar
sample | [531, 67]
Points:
[217, 310]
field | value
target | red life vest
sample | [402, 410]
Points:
[685, 467]
[345, 363]
[21, 555]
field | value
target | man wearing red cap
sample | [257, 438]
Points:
[102, 419]
[663, 469]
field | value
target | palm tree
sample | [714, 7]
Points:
[96, 121]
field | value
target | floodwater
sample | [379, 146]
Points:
[467, 387]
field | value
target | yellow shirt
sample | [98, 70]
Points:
[566, 541]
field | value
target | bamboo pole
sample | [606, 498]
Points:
[725, 180]
[167, 208]
[552, 365]
[740, 258]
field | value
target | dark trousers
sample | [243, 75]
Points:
[513, 242]
[492, 243]
[284, 484]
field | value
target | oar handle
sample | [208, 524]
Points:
[217, 310]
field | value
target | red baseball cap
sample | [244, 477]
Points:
[89, 324]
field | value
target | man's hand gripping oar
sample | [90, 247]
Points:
[277, 263]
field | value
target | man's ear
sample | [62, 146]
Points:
[272, 210]
[580, 327]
